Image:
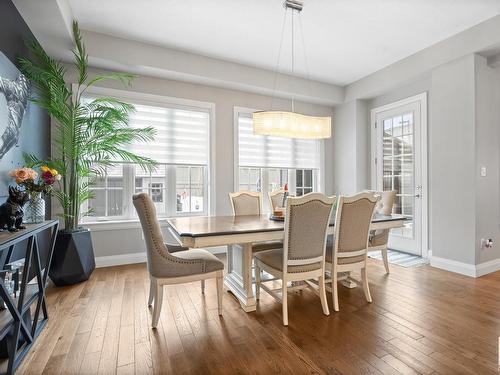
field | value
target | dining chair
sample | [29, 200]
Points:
[250, 203]
[380, 238]
[348, 252]
[302, 257]
[167, 268]
[276, 199]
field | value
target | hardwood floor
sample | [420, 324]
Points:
[422, 321]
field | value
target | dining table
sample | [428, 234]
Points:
[243, 231]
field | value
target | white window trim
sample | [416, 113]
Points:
[171, 102]
[248, 111]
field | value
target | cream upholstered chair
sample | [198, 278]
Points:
[350, 243]
[303, 254]
[250, 203]
[380, 238]
[275, 199]
[167, 268]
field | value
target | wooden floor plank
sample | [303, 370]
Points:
[422, 321]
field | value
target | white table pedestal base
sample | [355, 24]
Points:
[239, 278]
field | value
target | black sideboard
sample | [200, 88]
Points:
[25, 314]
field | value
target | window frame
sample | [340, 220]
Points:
[318, 178]
[141, 98]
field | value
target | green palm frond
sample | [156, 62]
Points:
[88, 136]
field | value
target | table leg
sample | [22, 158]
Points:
[239, 275]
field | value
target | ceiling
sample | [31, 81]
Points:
[345, 40]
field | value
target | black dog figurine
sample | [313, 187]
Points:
[11, 212]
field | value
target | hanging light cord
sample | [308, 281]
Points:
[275, 79]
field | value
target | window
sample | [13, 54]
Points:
[267, 163]
[179, 185]
[303, 181]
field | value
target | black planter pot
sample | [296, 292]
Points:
[73, 260]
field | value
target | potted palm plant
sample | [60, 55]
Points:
[88, 136]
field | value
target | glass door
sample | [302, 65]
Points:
[398, 164]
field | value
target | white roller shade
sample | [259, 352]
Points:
[182, 136]
[275, 152]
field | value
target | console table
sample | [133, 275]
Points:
[17, 332]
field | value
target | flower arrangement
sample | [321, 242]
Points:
[30, 180]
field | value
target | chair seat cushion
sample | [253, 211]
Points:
[341, 260]
[274, 259]
[269, 245]
[199, 261]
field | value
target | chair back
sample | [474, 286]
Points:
[246, 203]
[276, 199]
[306, 225]
[386, 202]
[156, 250]
[352, 227]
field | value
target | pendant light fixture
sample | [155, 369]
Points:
[291, 124]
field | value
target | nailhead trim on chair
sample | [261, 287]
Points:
[298, 205]
[169, 258]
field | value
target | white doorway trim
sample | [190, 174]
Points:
[422, 99]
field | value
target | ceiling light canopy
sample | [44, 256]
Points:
[291, 124]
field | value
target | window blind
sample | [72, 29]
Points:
[275, 152]
[182, 136]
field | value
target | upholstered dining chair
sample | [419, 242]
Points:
[350, 242]
[276, 199]
[380, 238]
[165, 267]
[250, 203]
[303, 254]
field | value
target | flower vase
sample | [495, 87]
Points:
[34, 211]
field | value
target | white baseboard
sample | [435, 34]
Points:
[487, 267]
[453, 266]
[133, 258]
[466, 269]
[119, 260]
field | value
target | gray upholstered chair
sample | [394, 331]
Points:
[380, 238]
[166, 267]
[350, 243]
[250, 203]
[276, 199]
[303, 255]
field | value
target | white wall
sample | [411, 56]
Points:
[351, 148]
[487, 138]
[129, 240]
[452, 161]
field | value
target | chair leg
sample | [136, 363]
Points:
[386, 260]
[284, 301]
[366, 288]
[219, 291]
[152, 292]
[257, 282]
[157, 305]
[335, 295]
[202, 286]
[322, 295]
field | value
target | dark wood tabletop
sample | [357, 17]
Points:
[203, 226]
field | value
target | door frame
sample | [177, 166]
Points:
[422, 100]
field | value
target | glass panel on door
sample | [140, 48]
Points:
[398, 168]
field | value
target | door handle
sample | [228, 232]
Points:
[417, 195]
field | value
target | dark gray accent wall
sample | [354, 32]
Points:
[35, 130]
